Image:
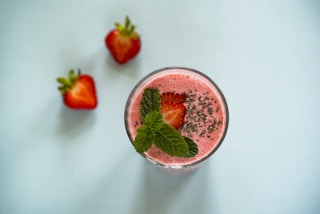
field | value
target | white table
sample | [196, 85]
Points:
[264, 55]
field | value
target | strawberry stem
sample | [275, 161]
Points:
[67, 83]
[127, 29]
[127, 23]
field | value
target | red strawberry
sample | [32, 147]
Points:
[78, 91]
[173, 114]
[123, 42]
[171, 97]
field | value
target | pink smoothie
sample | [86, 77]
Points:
[206, 120]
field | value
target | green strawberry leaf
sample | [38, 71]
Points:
[151, 101]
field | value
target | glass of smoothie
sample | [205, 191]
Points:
[187, 101]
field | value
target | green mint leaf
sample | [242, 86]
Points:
[151, 101]
[169, 140]
[155, 131]
[153, 120]
[144, 139]
[193, 147]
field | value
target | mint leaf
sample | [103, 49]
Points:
[150, 101]
[153, 120]
[156, 131]
[169, 140]
[193, 147]
[144, 139]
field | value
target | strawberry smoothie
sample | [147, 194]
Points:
[206, 119]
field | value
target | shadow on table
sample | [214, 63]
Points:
[74, 122]
[148, 190]
[163, 192]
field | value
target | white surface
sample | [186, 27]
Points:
[264, 55]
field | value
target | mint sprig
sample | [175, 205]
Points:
[144, 139]
[169, 140]
[156, 131]
[192, 146]
[150, 101]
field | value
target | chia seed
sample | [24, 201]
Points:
[210, 129]
[200, 115]
[203, 133]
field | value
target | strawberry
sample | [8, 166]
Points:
[171, 97]
[78, 90]
[173, 114]
[123, 42]
[172, 108]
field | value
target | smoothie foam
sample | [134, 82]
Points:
[206, 119]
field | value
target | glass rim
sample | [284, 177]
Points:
[223, 100]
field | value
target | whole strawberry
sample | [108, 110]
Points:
[78, 90]
[123, 42]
